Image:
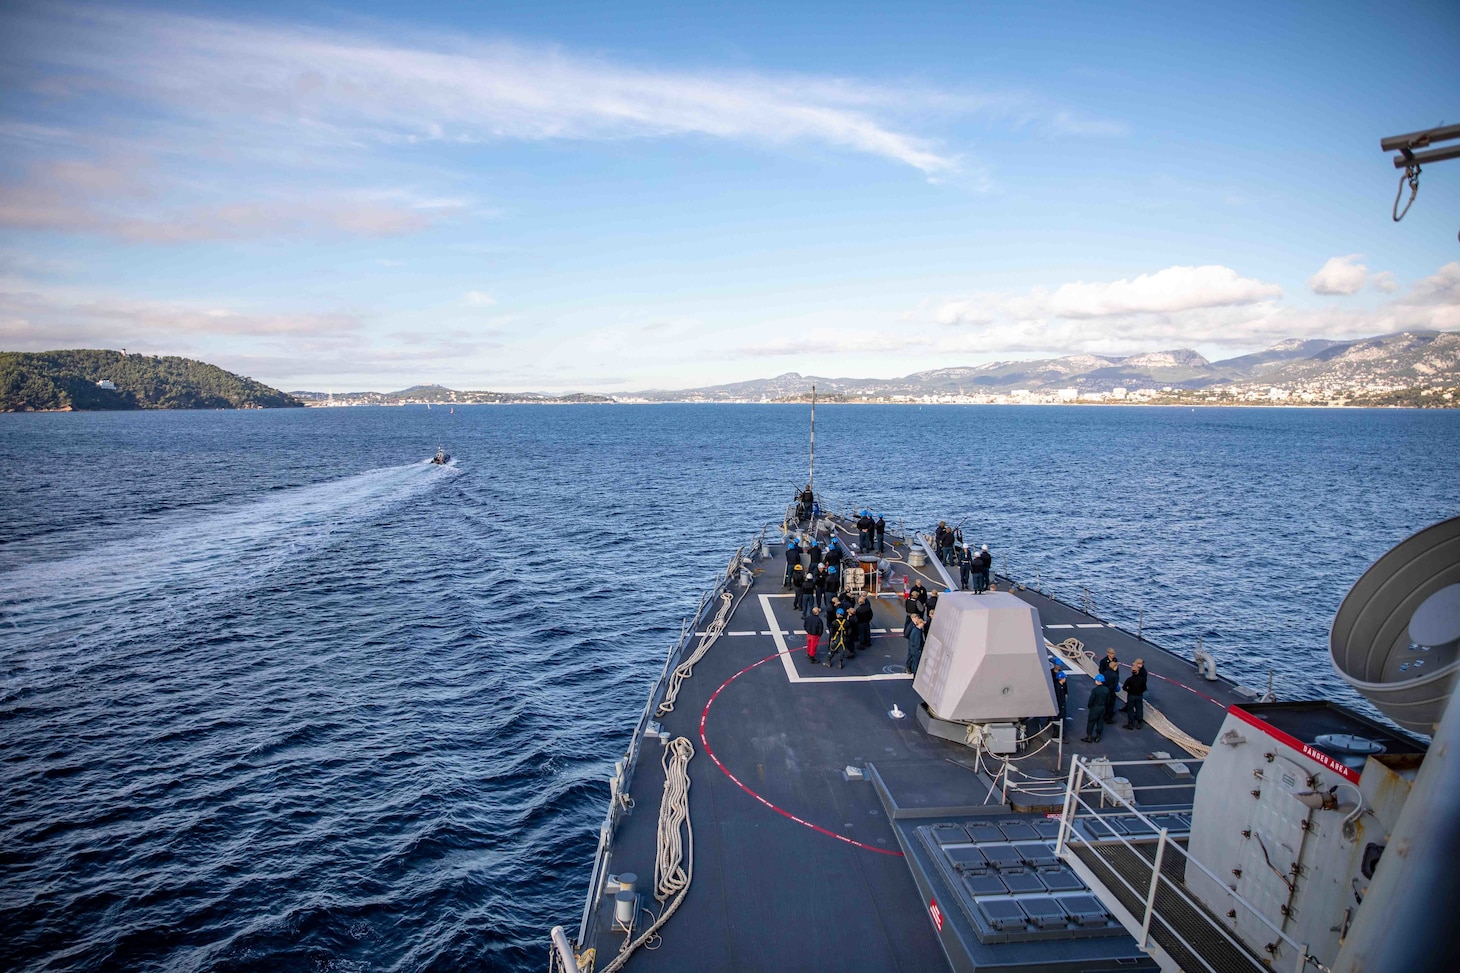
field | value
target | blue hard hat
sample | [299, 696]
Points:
[1062, 674]
[1100, 678]
[841, 611]
[831, 568]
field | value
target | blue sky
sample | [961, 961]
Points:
[619, 196]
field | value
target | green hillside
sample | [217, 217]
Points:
[67, 380]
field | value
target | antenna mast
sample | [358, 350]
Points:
[811, 480]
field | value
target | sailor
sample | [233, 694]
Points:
[808, 592]
[833, 580]
[866, 527]
[1094, 724]
[805, 503]
[985, 565]
[965, 565]
[1135, 696]
[814, 552]
[819, 578]
[793, 558]
[798, 578]
[814, 629]
[939, 539]
[838, 640]
[1110, 669]
[920, 594]
[915, 636]
[1061, 690]
[881, 528]
[864, 623]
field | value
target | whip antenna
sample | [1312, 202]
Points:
[811, 478]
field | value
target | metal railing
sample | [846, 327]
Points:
[624, 768]
[1153, 930]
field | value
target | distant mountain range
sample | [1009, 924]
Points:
[1410, 358]
[441, 395]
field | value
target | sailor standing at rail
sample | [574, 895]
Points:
[1135, 696]
[866, 527]
[881, 528]
[985, 565]
[1110, 669]
[965, 565]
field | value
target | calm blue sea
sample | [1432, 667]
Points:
[274, 694]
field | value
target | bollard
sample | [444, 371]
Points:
[625, 904]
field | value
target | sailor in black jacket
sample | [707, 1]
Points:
[864, 623]
[1110, 669]
[1135, 696]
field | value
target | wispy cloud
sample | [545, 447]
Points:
[452, 88]
[37, 320]
[159, 85]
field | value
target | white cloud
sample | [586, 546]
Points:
[1166, 291]
[1162, 293]
[479, 299]
[1340, 275]
[1213, 307]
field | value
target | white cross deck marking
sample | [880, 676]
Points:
[1059, 626]
[789, 664]
[1096, 625]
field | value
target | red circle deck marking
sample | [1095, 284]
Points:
[704, 715]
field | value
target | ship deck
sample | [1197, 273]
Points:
[798, 864]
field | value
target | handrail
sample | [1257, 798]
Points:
[1080, 773]
[624, 769]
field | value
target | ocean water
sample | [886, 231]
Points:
[275, 694]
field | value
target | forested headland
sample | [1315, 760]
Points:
[93, 379]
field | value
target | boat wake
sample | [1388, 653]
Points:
[86, 603]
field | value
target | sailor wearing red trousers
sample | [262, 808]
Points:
[814, 629]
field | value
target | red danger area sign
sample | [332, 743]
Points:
[936, 913]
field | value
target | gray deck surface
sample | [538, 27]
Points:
[770, 893]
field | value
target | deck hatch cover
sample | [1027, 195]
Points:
[965, 857]
[1003, 914]
[1001, 853]
[1019, 880]
[1085, 910]
[1060, 879]
[1018, 831]
[1044, 913]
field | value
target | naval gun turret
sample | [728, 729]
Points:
[984, 670]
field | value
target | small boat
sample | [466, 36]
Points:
[442, 457]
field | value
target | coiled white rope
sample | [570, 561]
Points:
[686, 668]
[671, 880]
[1072, 652]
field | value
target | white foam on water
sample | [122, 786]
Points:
[120, 586]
